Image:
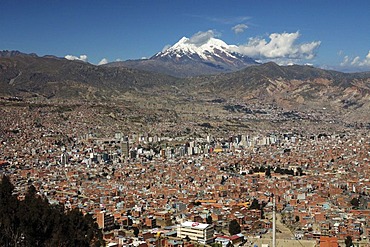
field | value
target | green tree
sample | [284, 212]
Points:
[6, 189]
[296, 218]
[300, 171]
[355, 202]
[216, 245]
[348, 241]
[209, 219]
[78, 229]
[255, 204]
[34, 222]
[136, 231]
[10, 233]
[234, 227]
[36, 218]
[268, 172]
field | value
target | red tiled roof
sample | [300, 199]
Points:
[328, 241]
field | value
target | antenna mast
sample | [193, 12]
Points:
[273, 221]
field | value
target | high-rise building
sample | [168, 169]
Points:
[105, 221]
[63, 159]
[125, 147]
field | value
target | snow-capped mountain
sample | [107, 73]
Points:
[214, 52]
[190, 58]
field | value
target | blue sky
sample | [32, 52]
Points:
[330, 34]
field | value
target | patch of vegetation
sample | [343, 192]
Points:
[34, 222]
[206, 125]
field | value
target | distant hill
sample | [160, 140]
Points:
[23, 74]
[185, 59]
[289, 87]
[6, 53]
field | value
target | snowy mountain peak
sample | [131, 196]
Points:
[197, 49]
[198, 55]
[210, 52]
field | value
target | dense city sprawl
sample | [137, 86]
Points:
[143, 187]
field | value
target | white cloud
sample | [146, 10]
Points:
[356, 61]
[280, 61]
[345, 61]
[103, 61]
[240, 28]
[165, 48]
[279, 46]
[81, 57]
[201, 38]
[366, 61]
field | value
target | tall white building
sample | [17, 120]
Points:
[202, 233]
[63, 159]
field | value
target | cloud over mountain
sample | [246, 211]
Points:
[103, 61]
[279, 46]
[165, 47]
[201, 38]
[81, 57]
[203, 53]
[356, 62]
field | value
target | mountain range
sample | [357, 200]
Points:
[50, 76]
[296, 87]
[187, 58]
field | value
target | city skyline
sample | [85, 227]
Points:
[330, 35]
